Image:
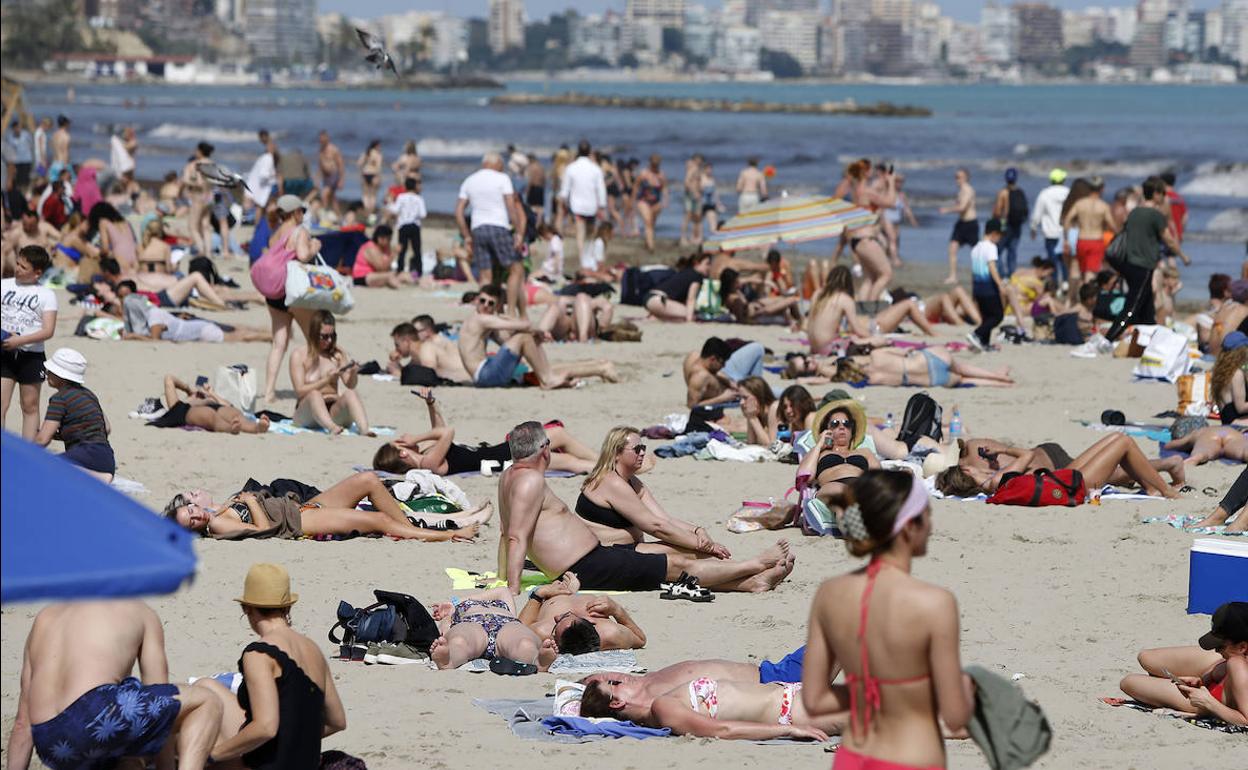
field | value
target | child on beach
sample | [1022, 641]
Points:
[28, 317]
[409, 211]
[594, 256]
[552, 266]
[986, 285]
[75, 417]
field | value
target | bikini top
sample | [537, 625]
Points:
[600, 514]
[870, 684]
[832, 460]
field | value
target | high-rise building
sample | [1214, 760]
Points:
[899, 11]
[795, 33]
[886, 50]
[998, 35]
[699, 33]
[738, 49]
[1077, 29]
[1148, 47]
[506, 25]
[1039, 34]
[663, 13]
[595, 37]
[1153, 10]
[282, 31]
[1213, 29]
[851, 11]
[1123, 21]
[1235, 30]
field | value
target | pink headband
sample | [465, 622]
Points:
[913, 507]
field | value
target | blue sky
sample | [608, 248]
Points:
[966, 10]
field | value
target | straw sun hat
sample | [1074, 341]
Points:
[268, 587]
[856, 413]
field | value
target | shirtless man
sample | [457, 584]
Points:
[406, 347]
[692, 221]
[580, 623]
[537, 525]
[60, 149]
[316, 371]
[966, 229]
[76, 678]
[751, 186]
[332, 167]
[523, 342]
[32, 231]
[1091, 215]
[705, 381]
[439, 353]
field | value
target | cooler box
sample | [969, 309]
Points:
[1218, 574]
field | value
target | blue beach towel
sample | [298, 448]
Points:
[607, 728]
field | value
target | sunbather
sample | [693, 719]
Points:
[332, 512]
[203, 408]
[839, 455]
[993, 456]
[926, 368]
[580, 623]
[834, 307]
[579, 318]
[760, 309]
[436, 451]
[1209, 680]
[1105, 462]
[1212, 442]
[485, 625]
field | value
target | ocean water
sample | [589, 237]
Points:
[1122, 133]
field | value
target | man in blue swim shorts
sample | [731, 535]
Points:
[80, 708]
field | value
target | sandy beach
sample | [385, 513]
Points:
[1064, 597]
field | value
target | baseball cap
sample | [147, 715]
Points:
[1235, 339]
[288, 203]
[1239, 290]
[993, 226]
[1230, 624]
[1011, 175]
[1057, 176]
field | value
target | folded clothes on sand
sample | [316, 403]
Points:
[1209, 723]
[1179, 521]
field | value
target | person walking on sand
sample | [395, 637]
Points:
[79, 704]
[1144, 232]
[691, 224]
[332, 169]
[1010, 207]
[751, 186]
[370, 164]
[583, 190]
[1091, 217]
[966, 228]
[497, 227]
[61, 141]
[1047, 217]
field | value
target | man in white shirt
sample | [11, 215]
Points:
[121, 152]
[263, 175]
[497, 229]
[584, 192]
[1047, 217]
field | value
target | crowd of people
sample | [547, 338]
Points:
[137, 257]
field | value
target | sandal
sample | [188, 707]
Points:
[686, 588]
[1211, 492]
[509, 667]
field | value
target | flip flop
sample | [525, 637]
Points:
[509, 667]
[687, 589]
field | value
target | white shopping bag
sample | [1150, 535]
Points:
[1165, 357]
[237, 385]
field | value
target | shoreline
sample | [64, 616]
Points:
[693, 104]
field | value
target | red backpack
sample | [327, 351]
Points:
[1043, 487]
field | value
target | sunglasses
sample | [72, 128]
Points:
[830, 424]
[486, 301]
[638, 448]
[330, 336]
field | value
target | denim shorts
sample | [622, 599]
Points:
[497, 371]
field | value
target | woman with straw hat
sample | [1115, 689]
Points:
[838, 455]
[287, 701]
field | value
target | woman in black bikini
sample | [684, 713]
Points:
[203, 408]
[436, 451]
[286, 683]
[1228, 385]
[839, 456]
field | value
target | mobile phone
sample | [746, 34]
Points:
[201, 381]
[1172, 677]
[347, 366]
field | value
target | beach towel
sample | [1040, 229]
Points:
[550, 474]
[1106, 492]
[128, 486]
[579, 665]
[1180, 521]
[1209, 723]
[288, 428]
[744, 453]
[1154, 432]
[606, 728]
[1163, 452]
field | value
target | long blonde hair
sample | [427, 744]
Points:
[155, 229]
[1224, 368]
[612, 445]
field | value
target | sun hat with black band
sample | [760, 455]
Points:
[289, 203]
[267, 587]
[851, 407]
[1230, 625]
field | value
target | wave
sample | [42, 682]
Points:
[1232, 222]
[1229, 180]
[186, 133]
[436, 147]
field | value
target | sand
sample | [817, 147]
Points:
[1063, 597]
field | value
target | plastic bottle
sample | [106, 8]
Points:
[955, 424]
[888, 421]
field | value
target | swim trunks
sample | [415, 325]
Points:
[965, 232]
[23, 366]
[492, 243]
[1091, 254]
[620, 568]
[107, 723]
[92, 455]
[498, 370]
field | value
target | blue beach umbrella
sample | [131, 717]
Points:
[66, 535]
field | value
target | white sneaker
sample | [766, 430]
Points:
[1086, 350]
[1103, 345]
[973, 341]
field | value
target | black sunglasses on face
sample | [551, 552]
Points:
[839, 424]
[638, 448]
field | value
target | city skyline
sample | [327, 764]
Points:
[962, 10]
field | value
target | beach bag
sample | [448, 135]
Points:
[1116, 251]
[1165, 357]
[316, 286]
[395, 617]
[237, 385]
[268, 273]
[921, 418]
[1043, 487]
[1195, 394]
[709, 302]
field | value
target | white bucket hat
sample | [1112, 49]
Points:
[68, 364]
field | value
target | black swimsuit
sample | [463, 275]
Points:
[462, 459]
[833, 460]
[600, 514]
[301, 716]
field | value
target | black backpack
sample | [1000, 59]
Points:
[395, 617]
[921, 418]
[1019, 209]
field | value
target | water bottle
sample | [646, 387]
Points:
[888, 421]
[955, 425]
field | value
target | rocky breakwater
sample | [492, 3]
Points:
[690, 104]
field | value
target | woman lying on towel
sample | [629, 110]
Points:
[620, 510]
[918, 368]
[711, 708]
[1212, 442]
[485, 625]
[437, 451]
[985, 454]
[331, 512]
[203, 408]
[1114, 459]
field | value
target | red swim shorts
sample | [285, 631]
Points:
[1090, 253]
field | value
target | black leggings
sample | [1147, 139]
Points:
[409, 235]
[1237, 496]
[1138, 308]
[992, 311]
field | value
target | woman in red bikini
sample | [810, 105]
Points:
[903, 671]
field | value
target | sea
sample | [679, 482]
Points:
[1120, 132]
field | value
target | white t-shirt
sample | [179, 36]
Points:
[554, 256]
[22, 309]
[584, 187]
[261, 178]
[593, 255]
[983, 255]
[409, 209]
[486, 191]
[120, 158]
